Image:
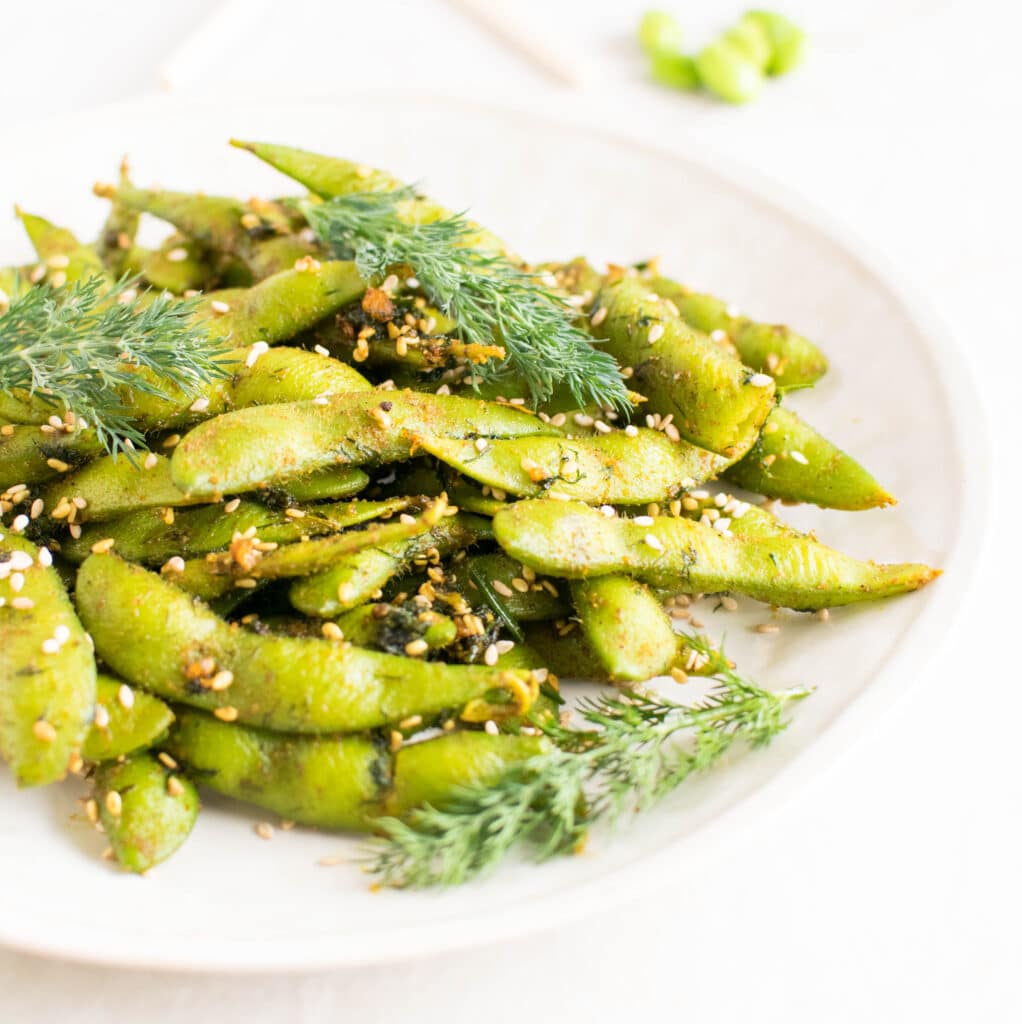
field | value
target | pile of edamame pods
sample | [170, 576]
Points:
[345, 578]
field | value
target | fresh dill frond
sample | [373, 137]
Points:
[489, 297]
[76, 346]
[625, 760]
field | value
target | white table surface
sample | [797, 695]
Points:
[889, 888]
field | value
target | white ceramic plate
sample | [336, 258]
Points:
[229, 900]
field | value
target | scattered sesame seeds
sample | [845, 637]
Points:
[656, 332]
[331, 631]
[582, 419]
[166, 760]
[491, 655]
[199, 405]
[171, 442]
[7, 430]
[44, 731]
[294, 513]
[232, 505]
[175, 564]
[520, 585]
[481, 444]
[58, 464]
[19, 560]
[50, 646]
[222, 680]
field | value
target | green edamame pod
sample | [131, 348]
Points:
[357, 577]
[65, 258]
[751, 40]
[716, 403]
[331, 483]
[626, 627]
[526, 598]
[157, 637]
[146, 536]
[791, 359]
[431, 771]
[177, 266]
[25, 453]
[112, 487]
[390, 628]
[146, 810]
[243, 450]
[616, 468]
[793, 462]
[787, 40]
[728, 72]
[118, 234]
[573, 540]
[47, 671]
[126, 720]
[330, 782]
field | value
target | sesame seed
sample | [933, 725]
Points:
[226, 714]
[92, 810]
[102, 716]
[44, 731]
[722, 524]
[582, 420]
[631, 430]
[255, 352]
[491, 655]
[502, 588]
[294, 513]
[7, 430]
[608, 511]
[101, 547]
[599, 316]
[491, 728]
[760, 380]
[481, 444]
[232, 505]
[219, 307]
[167, 760]
[643, 520]
[416, 647]
[656, 332]
[174, 564]
[679, 675]
[263, 829]
[174, 787]
[718, 335]
[729, 604]
[601, 427]
[823, 614]
[799, 458]
[19, 560]
[651, 540]
[221, 680]
[171, 442]
[61, 633]
[412, 722]
[767, 627]
[178, 255]
[22, 604]
[331, 631]
[199, 405]
[113, 803]
[51, 646]
[58, 279]
[58, 464]
[320, 350]
[520, 585]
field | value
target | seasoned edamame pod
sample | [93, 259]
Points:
[29, 456]
[243, 450]
[573, 540]
[716, 403]
[126, 720]
[146, 536]
[626, 627]
[357, 577]
[325, 484]
[157, 637]
[526, 598]
[793, 462]
[65, 259]
[147, 811]
[111, 487]
[791, 359]
[47, 671]
[617, 468]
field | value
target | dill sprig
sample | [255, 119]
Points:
[624, 761]
[489, 297]
[76, 346]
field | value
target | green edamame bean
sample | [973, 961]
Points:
[660, 33]
[728, 73]
[357, 577]
[573, 540]
[47, 671]
[716, 403]
[157, 637]
[626, 627]
[526, 600]
[615, 468]
[146, 810]
[146, 536]
[126, 720]
[788, 42]
[791, 359]
[242, 450]
[793, 462]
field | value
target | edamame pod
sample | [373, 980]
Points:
[157, 637]
[616, 468]
[47, 671]
[716, 403]
[243, 450]
[126, 720]
[794, 462]
[626, 627]
[791, 359]
[65, 258]
[526, 598]
[325, 484]
[787, 40]
[357, 577]
[573, 540]
[118, 234]
[177, 266]
[146, 810]
[146, 536]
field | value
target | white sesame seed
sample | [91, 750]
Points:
[20, 560]
[17, 582]
[599, 316]
[651, 540]
[608, 510]
[823, 614]
[174, 564]
[601, 427]
[718, 335]
[264, 830]
[50, 646]
[643, 520]
[61, 633]
[504, 646]
[22, 604]
[19, 523]
[125, 696]
[799, 458]
[729, 604]
[45, 558]
[582, 420]
[102, 716]
[219, 307]
[481, 444]
[491, 728]
[761, 380]
[178, 255]
[232, 505]
[75, 530]
[700, 495]
[502, 588]
[320, 350]
[199, 405]
[767, 627]
[632, 430]
[656, 332]
[491, 654]
[257, 349]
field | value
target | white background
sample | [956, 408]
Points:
[889, 889]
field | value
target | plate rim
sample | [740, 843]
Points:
[833, 743]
